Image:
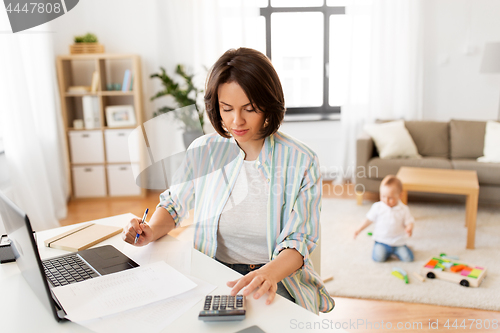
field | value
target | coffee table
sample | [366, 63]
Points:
[447, 181]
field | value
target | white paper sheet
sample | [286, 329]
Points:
[175, 253]
[125, 290]
[154, 317]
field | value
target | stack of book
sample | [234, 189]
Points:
[79, 89]
[128, 79]
[91, 112]
[95, 82]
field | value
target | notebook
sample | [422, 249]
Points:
[44, 275]
[82, 237]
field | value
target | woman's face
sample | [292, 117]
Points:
[239, 117]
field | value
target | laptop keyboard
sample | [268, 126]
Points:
[68, 269]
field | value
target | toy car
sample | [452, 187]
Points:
[455, 271]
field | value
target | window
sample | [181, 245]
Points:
[303, 37]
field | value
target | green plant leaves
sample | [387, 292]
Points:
[183, 95]
[88, 38]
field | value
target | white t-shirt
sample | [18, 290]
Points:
[242, 232]
[390, 222]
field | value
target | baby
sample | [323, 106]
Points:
[392, 220]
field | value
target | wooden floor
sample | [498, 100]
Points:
[347, 310]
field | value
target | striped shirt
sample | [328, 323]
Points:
[204, 182]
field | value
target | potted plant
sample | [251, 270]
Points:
[185, 94]
[88, 38]
[86, 44]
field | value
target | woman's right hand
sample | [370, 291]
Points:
[134, 227]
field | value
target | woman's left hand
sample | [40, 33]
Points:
[260, 280]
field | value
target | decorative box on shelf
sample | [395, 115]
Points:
[80, 48]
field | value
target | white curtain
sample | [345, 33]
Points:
[385, 69]
[198, 32]
[31, 126]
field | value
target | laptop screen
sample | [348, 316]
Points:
[23, 244]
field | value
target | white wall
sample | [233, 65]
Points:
[453, 86]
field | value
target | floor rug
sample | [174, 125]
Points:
[439, 228]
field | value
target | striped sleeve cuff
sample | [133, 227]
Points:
[298, 245]
[167, 203]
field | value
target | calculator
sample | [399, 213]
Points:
[223, 307]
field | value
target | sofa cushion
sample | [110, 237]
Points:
[467, 138]
[392, 140]
[487, 173]
[379, 168]
[430, 137]
[491, 147]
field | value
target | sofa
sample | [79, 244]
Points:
[444, 145]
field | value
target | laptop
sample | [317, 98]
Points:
[43, 275]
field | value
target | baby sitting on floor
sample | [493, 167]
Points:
[392, 221]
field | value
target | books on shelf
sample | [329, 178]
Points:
[126, 80]
[91, 112]
[79, 89]
[95, 82]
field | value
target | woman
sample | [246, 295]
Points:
[256, 192]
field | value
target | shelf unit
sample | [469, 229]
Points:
[100, 165]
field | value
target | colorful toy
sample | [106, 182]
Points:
[400, 274]
[444, 268]
[457, 268]
[447, 264]
[397, 274]
[444, 256]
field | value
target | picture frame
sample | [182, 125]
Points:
[120, 116]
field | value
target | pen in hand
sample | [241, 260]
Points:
[142, 222]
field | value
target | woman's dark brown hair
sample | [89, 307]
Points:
[255, 74]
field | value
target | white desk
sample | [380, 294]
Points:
[21, 311]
